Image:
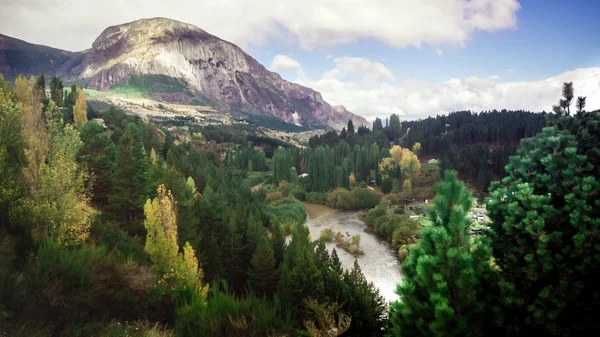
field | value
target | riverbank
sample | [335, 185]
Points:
[379, 263]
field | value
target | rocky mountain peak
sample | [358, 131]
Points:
[177, 62]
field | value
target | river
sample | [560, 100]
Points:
[379, 263]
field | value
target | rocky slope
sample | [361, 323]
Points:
[177, 62]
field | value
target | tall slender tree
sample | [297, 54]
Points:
[130, 185]
[262, 273]
[80, 109]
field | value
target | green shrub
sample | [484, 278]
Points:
[227, 315]
[274, 196]
[299, 193]
[255, 178]
[326, 235]
[112, 236]
[351, 247]
[316, 198]
[374, 214]
[342, 199]
[366, 198]
[287, 210]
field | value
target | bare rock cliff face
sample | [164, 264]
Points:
[207, 68]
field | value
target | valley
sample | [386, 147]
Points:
[157, 180]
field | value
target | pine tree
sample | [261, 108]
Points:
[262, 273]
[278, 242]
[444, 291]
[80, 109]
[130, 185]
[546, 216]
[98, 154]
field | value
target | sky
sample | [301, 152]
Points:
[415, 58]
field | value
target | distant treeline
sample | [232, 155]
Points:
[477, 145]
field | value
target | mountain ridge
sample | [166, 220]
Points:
[178, 62]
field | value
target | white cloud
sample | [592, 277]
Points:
[511, 70]
[417, 99]
[358, 67]
[313, 23]
[439, 52]
[283, 63]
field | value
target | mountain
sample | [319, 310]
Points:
[20, 57]
[175, 62]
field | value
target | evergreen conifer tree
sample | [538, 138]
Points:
[130, 186]
[262, 273]
[546, 219]
[444, 291]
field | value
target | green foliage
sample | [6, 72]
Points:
[343, 199]
[445, 290]
[282, 162]
[288, 210]
[366, 197]
[228, 316]
[262, 273]
[316, 198]
[545, 214]
[130, 186]
[98, 155]
[326, 235]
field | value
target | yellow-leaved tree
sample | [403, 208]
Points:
[80, 109]
[58, 200]
[401, 164]
[177, 269]
[416, 148]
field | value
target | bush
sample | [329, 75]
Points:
[366, 198]
[66, 286]
[287, 210]
[342, 199]
[386, 225]
[316, 198]
[374, 214]
[326, 235]
[274, 196]
[299, 193]
[227, 315]
[351, 247]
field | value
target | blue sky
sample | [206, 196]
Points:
[551, 37]
[415, 58]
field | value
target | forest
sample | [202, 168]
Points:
[477, 145]
[120, 228]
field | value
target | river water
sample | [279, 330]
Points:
[379, 263]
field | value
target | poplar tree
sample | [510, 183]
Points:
[80, 109]
[350, 127]
[177, 269]
[445, 289]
